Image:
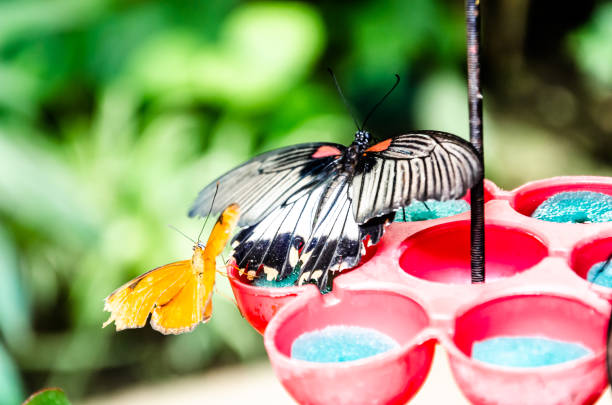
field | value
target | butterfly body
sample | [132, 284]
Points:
[178, 295]
[313, 204]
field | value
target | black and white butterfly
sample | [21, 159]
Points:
[315, 203]
[312, 205]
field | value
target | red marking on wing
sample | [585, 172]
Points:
[325, 151]
[380, 146]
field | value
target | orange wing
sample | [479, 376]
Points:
[131, 303]
[179, 295]
[183, 312]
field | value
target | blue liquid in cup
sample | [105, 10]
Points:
[341, 343]
[524, 351]
[432, 209]
[599, 275]
[579, 207]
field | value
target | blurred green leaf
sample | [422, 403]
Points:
[40, 190]
[591, 45]
[411, 30]
[31, 17]
[263, 50]
[442, 103]
[18, 90]
[10, 383]
[48, 396]
[15, 314]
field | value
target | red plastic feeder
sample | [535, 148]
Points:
[392, 377]
[415, 288]
[527, 197]
[442, 253]
[259, 304]
[579, 381]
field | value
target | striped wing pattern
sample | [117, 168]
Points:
[416, 166]
[316, 232]
[335, 242]
[267, 181]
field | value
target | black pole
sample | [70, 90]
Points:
[472, 11]
[609, 350]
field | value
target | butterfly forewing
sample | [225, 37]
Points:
[131, 303]
[269, 180]
[411, 167]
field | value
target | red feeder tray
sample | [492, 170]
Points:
[416, 289]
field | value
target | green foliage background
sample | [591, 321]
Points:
[113, 114]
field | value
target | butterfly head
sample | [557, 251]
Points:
[362, 138]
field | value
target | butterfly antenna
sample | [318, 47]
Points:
[222, 294]
[346, 104]
[181, 232]
[397, 80]
[209, 211]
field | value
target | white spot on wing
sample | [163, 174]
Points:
[271, 273]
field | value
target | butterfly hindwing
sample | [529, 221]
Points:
[183, 312]
[417, 166]
[337, 242]
[334, 243]
[275, 242]
[317, 230]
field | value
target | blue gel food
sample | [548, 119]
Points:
[432, 209]
[582, 207]
[599, 275]
[340, 343]
[288, 281]
[522, 351]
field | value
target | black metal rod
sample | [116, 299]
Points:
[477, 232]
[609, 350]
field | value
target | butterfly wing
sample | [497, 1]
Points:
[275, 243]
[335, 242]
[131, 303]
[322, 226]
[316, 231]
[193, 304]
[414, 166]
[269, 180]
[183, 312]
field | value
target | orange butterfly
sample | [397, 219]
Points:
[178, 295]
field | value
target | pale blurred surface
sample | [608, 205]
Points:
[255, 383]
